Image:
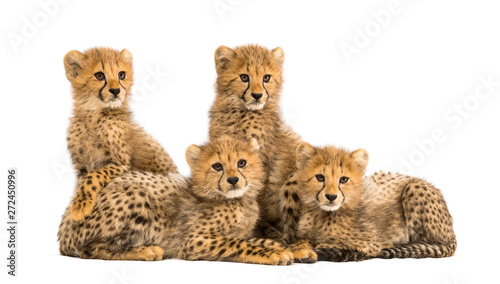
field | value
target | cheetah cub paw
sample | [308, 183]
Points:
[279, 257]
[150, 253]
[303, 252]
[81, 207]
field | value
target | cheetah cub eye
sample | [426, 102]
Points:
[244, 77]
[99, 76]
[320, 178]
[344, 180]
[266, 78]
[217, 167]
[242, 163]
[122, 75]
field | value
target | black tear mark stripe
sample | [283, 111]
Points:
[243, 96]
[222, 175]
[120, 82]
[340, 189]
[100, 91]
[246, 182]
[264, 86]
[317, 194]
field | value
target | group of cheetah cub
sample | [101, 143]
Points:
[257, 193]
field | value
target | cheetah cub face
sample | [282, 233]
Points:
[251, 75]
[329, 177]
[224, 169]
[100, 77]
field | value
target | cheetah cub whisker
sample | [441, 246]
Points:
[346, 216]
[103, 140]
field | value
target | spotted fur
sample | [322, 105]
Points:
[347, 216]
[249, 82]
[103, 140]
[145, 216]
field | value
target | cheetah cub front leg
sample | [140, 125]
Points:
[145, 253]
[84, 199]
[258, 251]
[303, 252]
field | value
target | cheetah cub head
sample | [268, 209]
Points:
[100, 77]
[249, 76]
[224, 169]
[330, 178]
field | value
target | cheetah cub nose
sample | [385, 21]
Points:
[115, 92]
[256, 96]
[232, 180]
[331, 197]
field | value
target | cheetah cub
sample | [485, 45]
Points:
[347, 216]
[103, 140]
[142, 216]
[247, 106]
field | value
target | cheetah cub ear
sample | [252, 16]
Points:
[223, 58]
[304, 151]
[193, 152]
[255, 144]
[361, 158]
[127, 56]
[279, 55]
[74, 63]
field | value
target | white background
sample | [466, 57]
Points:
[411, 73]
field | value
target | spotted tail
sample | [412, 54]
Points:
[339, 255]
[420, 250]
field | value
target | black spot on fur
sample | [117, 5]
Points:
[222, 251]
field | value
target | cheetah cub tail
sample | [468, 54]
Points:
[420, 250]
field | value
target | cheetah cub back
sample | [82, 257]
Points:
[103, 140]
[347, 216]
